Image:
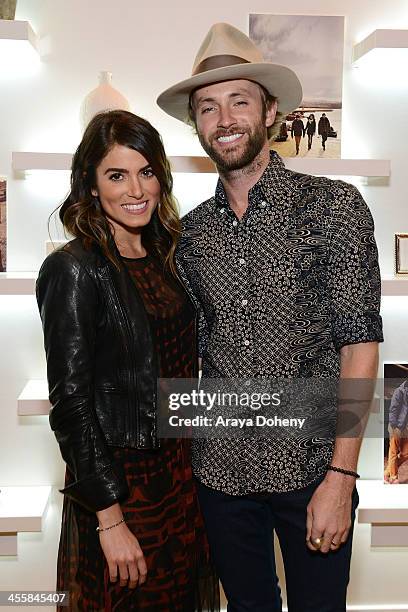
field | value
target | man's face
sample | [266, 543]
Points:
[231, 123]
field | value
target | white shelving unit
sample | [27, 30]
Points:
[23, 283]
[21, 509]
[380, 39]
[26, 161]
[394, 285]
[385, 507]
[33, 400]
[17, 283]
[20, 31]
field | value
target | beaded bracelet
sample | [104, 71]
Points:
[110, 526]
[341, 471]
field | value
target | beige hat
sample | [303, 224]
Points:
[225, 55]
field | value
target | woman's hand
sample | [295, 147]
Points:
[121, 549]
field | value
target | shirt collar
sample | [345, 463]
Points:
[273, 180]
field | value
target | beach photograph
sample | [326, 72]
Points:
[313, 47]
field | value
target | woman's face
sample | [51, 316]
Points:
[127, 189]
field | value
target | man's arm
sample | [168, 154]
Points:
[329, 510]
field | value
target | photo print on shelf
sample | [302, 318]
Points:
[401, 254]
[3, 224]
[395, 422]
[312, 46]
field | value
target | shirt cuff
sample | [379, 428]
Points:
[354, 328]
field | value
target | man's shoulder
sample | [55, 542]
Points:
[334, 190]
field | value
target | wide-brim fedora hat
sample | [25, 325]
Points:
[227, 54]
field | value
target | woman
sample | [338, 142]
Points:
[115, 319]
[310, 130]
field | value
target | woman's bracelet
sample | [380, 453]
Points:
[110, 526]
[333, 468]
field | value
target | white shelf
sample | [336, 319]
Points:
[21, 509]
[385, 507]
[380, 39]
[25, 161]
[33, 400]
[394, 285]
[18, 31]
[340, 167]
[17, 283]
[23, 283]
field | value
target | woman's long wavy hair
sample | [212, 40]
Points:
[81, 213]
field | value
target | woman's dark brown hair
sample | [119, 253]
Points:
[81, 212]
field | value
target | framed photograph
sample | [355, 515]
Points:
[396, 422]
[401, 253]
[313, 47]
[3, 224]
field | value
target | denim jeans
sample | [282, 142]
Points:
[240, 531]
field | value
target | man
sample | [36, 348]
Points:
[298, 131]
[323, 129]
[398, 430]
[287, 285]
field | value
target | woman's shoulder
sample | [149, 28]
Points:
[73, 254]
[72, 259]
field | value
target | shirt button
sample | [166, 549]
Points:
[235, 223]
[246, 342]
[263, 203]
[244, 302]
[222, 210]
[242, 261]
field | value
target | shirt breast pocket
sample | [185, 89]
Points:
[308, 248]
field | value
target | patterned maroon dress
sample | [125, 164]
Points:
[162, 509]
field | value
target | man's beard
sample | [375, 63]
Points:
[228, 159]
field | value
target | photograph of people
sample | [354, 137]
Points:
[323, 129]
[115, 318]
[310, 130]
[272, 294]
[298, 131]
[396, 424]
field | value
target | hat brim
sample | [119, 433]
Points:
[280, 81]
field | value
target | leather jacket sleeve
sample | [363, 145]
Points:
[68, 301]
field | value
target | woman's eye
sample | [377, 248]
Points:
[148, 172]
[116, 176]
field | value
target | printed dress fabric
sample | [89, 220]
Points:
[162, 509]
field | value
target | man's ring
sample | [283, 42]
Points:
[317, 542]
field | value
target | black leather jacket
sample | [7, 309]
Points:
[102, 368]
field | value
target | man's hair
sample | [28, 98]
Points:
[267, 101]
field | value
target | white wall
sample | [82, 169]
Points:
[149, 46]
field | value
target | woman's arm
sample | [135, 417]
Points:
[68, 302]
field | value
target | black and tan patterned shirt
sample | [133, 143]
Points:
[279, 293]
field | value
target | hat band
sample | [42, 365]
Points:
[218, 61]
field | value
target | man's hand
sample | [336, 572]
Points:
[329, 512]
